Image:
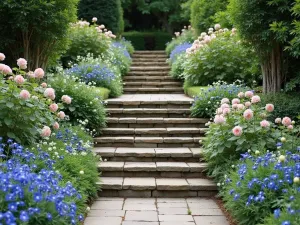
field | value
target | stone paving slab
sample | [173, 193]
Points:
[103, 221]
[139, 223]
[115, 205]
[140, 183]
[140, 166]
[211, 220]
[111, 182]
[173, 211]
[177, 223]
[175, 218]
[139, 207]
[106, 213]
[145, 216]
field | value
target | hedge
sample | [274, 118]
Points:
[148, 40]
[109, 13]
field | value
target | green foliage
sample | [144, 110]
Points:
[224, 58]
[286, 104]
[109, 13]
[128, 45]
[207, 99]
[177, 67]
[84, 39]
[35, 30]
[148, 40]
[103, 92]
[194, 90]
[87, 104]
[223, 147]
[203, 12]
[186, 36]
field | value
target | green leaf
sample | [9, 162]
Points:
[72, 109]
[10, 104]
[11, 135]
[8, 121]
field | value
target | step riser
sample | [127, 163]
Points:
[153, 92]
[143, 115]
[155, 194]
[134, 60]
[158, 106]
[147, 145]
[160, 56]
[151, 159]
[149, 78]
[152, 73]
[153, 125]
[120, 134]
[155, 174]
[149, 64]
[150, 52]
[149, 70]
[151, 86]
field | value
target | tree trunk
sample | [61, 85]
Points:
[272, 70]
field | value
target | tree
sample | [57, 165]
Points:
[34, 29]
[108, 12]
[267, 25]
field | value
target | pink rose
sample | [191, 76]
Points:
[278, 120]
[248, 114]
[241, 95]
[61, 115]
[237, 131]
[255, 99]
[22, 63]
[19, 79]
[46, 131]
[240, 106]
[219, 119]
[235, 106]
[290, 127]
[39, 73]
[49, 93]
[217, 27]
[2, 56]
[235, 101]
[101, 26]
[66, 99]
[225, 105]
[44, 85]
[286, 121]
[56, 125]
[264, 123]
[5, 69]
[226, 111]
[248, 104]
[53, 107]
[30, 74]
[269, 107]
[249, 94]
[24, 94]
[94, 20]
[219, 111]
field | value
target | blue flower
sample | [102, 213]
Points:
[179, 49]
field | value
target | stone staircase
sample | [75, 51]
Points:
[151, 146]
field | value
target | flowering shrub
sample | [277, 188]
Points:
[208, 100]
[98, 74]
[86, 101]
[178, 50]
[33, 196]
[263, 185]
[187, 35]
[27, 107]
[128, 45]
[241, 125]
[86, 39]
[219, 55]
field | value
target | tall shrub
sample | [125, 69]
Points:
[35, 29]
[109, 13]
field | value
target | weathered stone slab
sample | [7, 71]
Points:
[172, 184]
[111, 166]
[139, 183]
[140, 207]
[127, 120]
[201, 184]
[196, 211]
[175, 218]
[140, 166]
[108, 205]
[173, 211]
[178, 140]
[105, 152]
[115, 183]
[172, 166]
[106, 213]
[211, 220]
[172, 205]
[146, 216]
[149, 140]
[197, 167]
[103, 221]
[173, 152]
[139, 223]
[135, 152]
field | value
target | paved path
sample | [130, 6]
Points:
[152, 154]
[155, 211]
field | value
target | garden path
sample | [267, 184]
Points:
[152, 173]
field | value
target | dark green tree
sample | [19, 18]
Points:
[108, 12]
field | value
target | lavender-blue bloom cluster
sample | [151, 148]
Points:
[30, 196]
[179, 49]
[123, 48]
[100, 74]
[266, 177]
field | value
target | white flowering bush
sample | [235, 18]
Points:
[219, 55]
[28, 108]
[241, 125]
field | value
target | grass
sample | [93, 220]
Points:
[193, 91]
[103, 92]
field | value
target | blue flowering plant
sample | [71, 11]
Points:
[31, 196]
[178, 50]
[265, 188]
[208, 100]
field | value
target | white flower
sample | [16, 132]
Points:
[81, 172]
[88, 209]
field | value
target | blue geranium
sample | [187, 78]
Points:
[179, 49]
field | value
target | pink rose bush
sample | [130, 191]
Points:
[241, 127]
[29, 112]
[2, 57]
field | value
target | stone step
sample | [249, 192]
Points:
[133, 122]
[150, 52]
[151, 142]
[148, 78]
[152, 84]
[153, 63]
[155, 132]
[146, 112]
[149, 60]
[150, 68]
[151, 56]
[123, 154]
[148, 90]
[148, 73]
[156, 187]
[152, 169]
